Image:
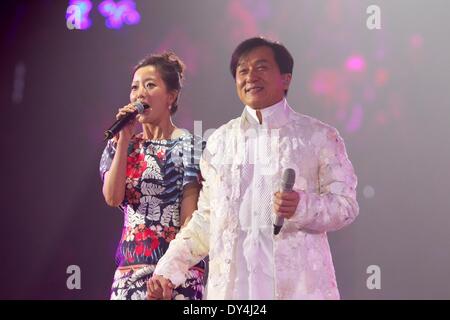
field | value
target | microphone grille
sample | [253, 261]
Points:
[288, 178]
[140, 106]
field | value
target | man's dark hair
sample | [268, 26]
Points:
[282, 56]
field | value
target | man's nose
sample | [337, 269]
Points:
[252, 75]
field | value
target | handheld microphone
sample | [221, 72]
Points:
[119, 124]
[287, 182]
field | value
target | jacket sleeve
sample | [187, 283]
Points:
[334, 205]
[192, 243]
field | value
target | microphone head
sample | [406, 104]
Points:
[288, 179]
[141, 106]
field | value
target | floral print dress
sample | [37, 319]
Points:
[157, 171]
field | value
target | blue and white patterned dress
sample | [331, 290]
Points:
[157, 171]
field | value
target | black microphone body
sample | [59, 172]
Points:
[119, 124]
[287, 183]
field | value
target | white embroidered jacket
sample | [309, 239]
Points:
[326, 182]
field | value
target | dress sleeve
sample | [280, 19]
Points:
[192, 151]
[107, 158]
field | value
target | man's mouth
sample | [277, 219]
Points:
[253, 89]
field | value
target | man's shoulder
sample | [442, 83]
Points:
[224, 129]
[217, 139]
[308, 122]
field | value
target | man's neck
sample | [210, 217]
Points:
[259, 115]
[259, 111]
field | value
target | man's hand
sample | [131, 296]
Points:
[285, 203]
[159, 288]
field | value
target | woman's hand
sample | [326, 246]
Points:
[128, 130]
[159, 288]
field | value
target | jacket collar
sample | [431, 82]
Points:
[273, 117]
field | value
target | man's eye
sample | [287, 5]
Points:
[133, 87]
[150, 85]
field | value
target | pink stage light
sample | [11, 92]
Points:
[117, 14]
[416, 41]
[356, 118]
[355, 63]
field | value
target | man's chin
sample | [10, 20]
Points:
[254, 103]
[257, 105]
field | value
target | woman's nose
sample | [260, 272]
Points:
[140, 94]
[137, 97]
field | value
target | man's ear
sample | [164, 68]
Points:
[286, 80]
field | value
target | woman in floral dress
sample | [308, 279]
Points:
[153, 177]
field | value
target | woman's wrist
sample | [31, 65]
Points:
[122, 141]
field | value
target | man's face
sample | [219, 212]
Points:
[259, 83]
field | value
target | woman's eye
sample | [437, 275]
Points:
[133, 87]
[150, 85]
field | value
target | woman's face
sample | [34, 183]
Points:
[149, 88]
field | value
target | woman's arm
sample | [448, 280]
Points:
[189, 202]
[114, 182]
[191, 244]
[114, 178]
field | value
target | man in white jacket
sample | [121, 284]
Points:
[242, 167]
